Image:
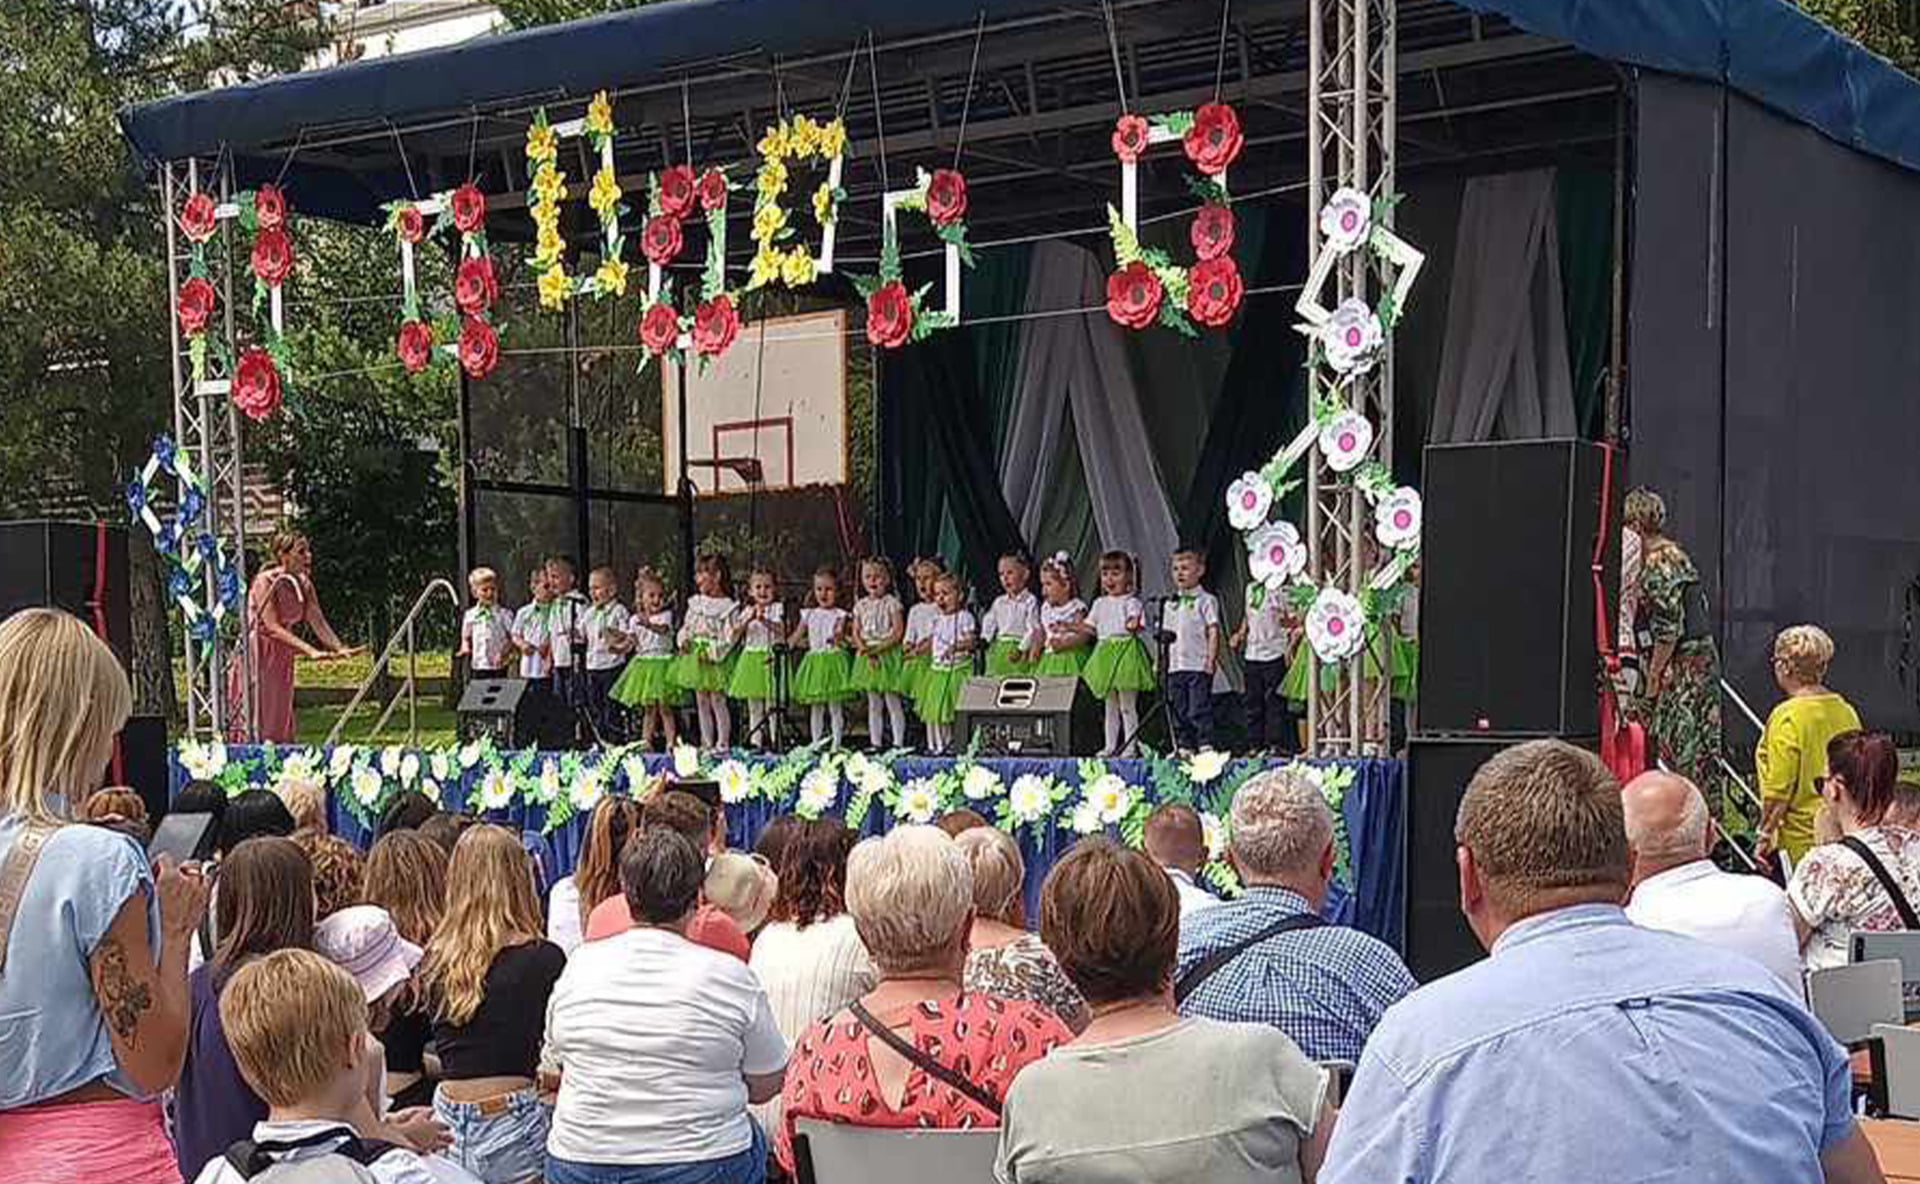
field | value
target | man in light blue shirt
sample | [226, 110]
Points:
[1587, 1048]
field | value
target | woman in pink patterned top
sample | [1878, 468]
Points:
[281, 597]
[1835, 889]
[911, 896]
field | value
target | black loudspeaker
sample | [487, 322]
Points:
[1438, 939]
[68, 565]
[143, 761]
[1506, 591]
[493, 707]
[1017, 716]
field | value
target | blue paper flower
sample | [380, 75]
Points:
[136, 498]
[229, 587]
[180, 584]
[192, 504]
[167, 542]
[209, 547]
[202, 628]
[163, 450]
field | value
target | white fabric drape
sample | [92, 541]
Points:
[1083, 360]
[1503, 368]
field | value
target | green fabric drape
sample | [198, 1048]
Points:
[1584, 212]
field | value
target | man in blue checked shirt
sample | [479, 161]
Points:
[1268, 957]
[1585, 1047]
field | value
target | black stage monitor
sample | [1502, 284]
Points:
[1018, 716]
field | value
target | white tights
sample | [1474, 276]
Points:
[894, 710]
[716, 719]
[939, 738]
[820, 713]
[758, 734]
[1123, 719]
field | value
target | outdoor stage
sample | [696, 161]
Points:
[543, 794]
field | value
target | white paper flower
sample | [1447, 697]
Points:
[299, 767]
[919, 801]
[1214, 833]
[1314, 774]
[340, 762]
[686, 761]
[1336, 626]
[818, 791]
[1205, 765]
[982, 782]
[736, 783]
[1351, 337]
[1396, 519]
[390, 761]
[1275, 555]
[409, 769]
[588, 789]
[1345, 440]
[857, 770]
[441, 766]
[470, 753]
[635, 767]
[1031, 798]
[546, 788]
[367, 785]
[1248, 501]
[1086, 818]
[496, 790]
[431, 788]
[873, 778]
[1345, 220]
[203, 762]
[1111, 797]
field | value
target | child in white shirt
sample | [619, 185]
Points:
[1119, 668]
[916, 645]
[706, 639]
[530, 626]
[646, 686]
[486, 632]
[951, 647]
[1011, 628]
[756, 631]
[879, 625]
[1192, 615]
[606, 628]
[820, 681]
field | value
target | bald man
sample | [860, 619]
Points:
[1678, 889]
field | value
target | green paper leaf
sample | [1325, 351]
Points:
[1126, 244]
[1177, 122]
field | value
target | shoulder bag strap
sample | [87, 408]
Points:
[1887, 883]
[915, 1056]
[1213, 963]
[14, 871]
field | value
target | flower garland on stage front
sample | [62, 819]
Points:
[1149, 287]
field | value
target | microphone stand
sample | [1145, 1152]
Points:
[573, 688]
[1162, 659]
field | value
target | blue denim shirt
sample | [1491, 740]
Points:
[1587, 1048]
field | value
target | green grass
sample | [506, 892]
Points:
[348, 672]
[436, 724]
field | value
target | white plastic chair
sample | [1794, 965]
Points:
[1900, 1062]
[1851, 999]
[1902, 946]
[839, 1153]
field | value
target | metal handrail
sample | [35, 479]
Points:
[410, 688]
[1726, 688]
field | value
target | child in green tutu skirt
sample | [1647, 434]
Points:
[820, 681]
[706, 639]
[1011, 628]
[1063, 616]
[917, 644]
[646, 687]
[950, 648]
[1120, 667]
[759, 627]
[879, 624]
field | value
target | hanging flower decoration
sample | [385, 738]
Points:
[548, 184]
[659, 328]
[1210, 291]
[415, 345]
[896, 314]
[675, 196]
[1275, 555]
[1345, 440]
[256, 384]
[661, 240]
[713, 189]
[1351, 338]
[469, 337]
[1248, 500]
[476, 286]
[778, 256]
[479, 347]
[1396, 519]
[890, 315]
[264, 214]
[198, 217]
[604, 196]
[195, 302]
[201, 580]
[715, 324]
[1336, 625]
[1346, 220]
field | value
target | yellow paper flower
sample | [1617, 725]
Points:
[611, 279]
[766, 267]
[797, 268]
[548, 245]
[600, 115]
[806, 136]
[771, 181]
[833, 139]
[605, 194]
[823, 203]
[768, 221]
[542, 144]
[546, 216]
[776, 141]
[549, 183]
[554, 287]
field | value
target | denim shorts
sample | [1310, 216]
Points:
[744, 1167]
[501, 1140]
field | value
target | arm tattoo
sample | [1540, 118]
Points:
[123, 998]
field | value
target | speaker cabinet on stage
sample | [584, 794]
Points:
[1017, 716]
[513, 712]
[1506, 587]
[58, 565]
[1438, 939]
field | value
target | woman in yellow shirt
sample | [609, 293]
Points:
[1792, 755]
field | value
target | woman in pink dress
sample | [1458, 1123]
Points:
[282, 597]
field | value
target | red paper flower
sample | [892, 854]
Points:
[469, 209]
[1129, 138]
[1212, 231]
[475, 286]
[946, 197]
[715, 324]
[1213, 142]
[479, 347]
[677, 191]
[890, 315]
[195, 304]
[1133, 295]
[197, 220]
[269, 207]
[660, 327]
[1214, 291]
[415, 346]
[713, 190]
[411, 226]
[660, 240]
[256, 384]
[273, 257]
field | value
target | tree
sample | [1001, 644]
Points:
[1887, 27]
[525, 14]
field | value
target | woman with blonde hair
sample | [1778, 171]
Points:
[597, 877]
[281, 598]
[1006, 959]
[1792, 755]
[407, 876]
[487, 976]
[93, 982]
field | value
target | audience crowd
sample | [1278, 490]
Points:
[675, 1012]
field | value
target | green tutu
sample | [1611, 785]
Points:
[1003, 658]
[937, 700]
[648, 682]
[752, 676]
[912, 671]
[1118, 664]
[821, 677]
[1406, 666]
[695, 671]
[1062, 663]
[1299, 676]
[876, 674]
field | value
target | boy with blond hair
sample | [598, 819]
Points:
[297, 1026]
[486, 632]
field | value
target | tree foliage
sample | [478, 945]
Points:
[1890, 28]
[525, 14]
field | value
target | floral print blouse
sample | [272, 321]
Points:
[1836, 893]
[1026, 969]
